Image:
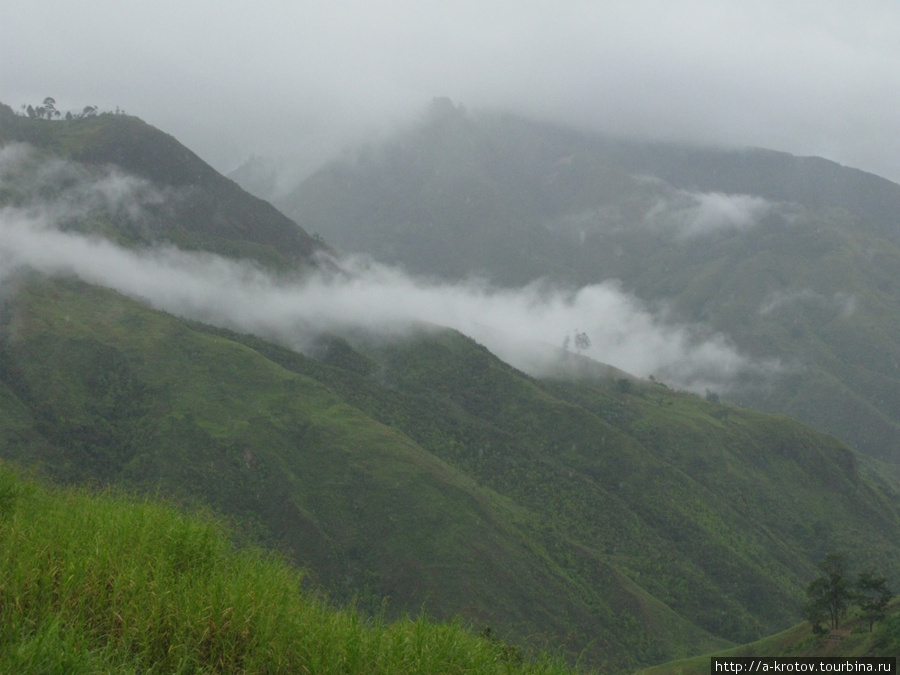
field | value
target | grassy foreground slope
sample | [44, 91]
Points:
[109, 583]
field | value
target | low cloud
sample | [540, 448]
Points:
[66, 193]
[695, 214]
[682, 214]
[527, 327]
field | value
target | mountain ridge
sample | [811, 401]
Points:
[619, 519]
[207, 210]
[779, 176]
[805, 281]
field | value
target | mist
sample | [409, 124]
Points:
[696, 214]
[843, 304]
[529, 327]
[303, 79]
[683, 214]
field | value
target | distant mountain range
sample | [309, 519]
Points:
[618, 519]
[794, 259]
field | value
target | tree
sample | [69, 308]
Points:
[872, 596]
[49, 108]
[830, 596]
[582, 341]
[89, 111]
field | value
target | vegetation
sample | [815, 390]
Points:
[873, 597]
[48, 110]
[618, 520]
[830, 596]
[641, 525]
[112, 583]
[808, 280]
[186, 202]
[833, 594]
[854, 640]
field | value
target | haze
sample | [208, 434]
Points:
[299, 80]
[527, 327]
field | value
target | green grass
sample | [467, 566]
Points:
[113, 583]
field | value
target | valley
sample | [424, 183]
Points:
[620, 519]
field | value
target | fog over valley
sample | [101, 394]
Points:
[529, 327]
[513, 326]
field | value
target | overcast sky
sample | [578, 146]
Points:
[297, 77]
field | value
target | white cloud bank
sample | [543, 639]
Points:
[526, 327]
[694, 214]
[684, 214]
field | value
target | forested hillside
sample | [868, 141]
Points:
[794, 259]
[429, 472]
[192, 206]
[619, 520]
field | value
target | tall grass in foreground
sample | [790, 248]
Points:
[111, 583]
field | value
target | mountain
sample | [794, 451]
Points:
[810, 181]
[643, 525]
[622, 521]
[794, 259]
[194, 207]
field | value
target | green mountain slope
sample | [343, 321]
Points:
[793, 258]
[639, 525]
[100, 388]
[192, 206]
[621, 521]
[811, 181]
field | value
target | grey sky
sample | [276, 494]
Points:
[302, 78]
